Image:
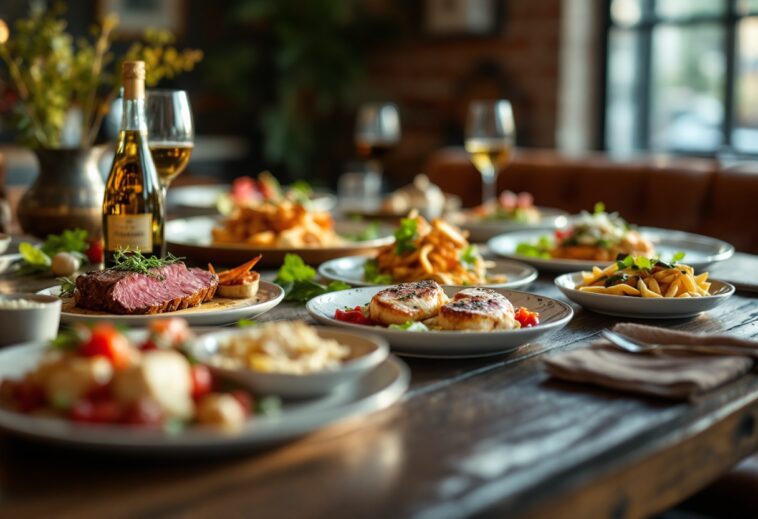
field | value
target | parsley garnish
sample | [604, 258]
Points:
[405, 235]
[470, 256]
[372, 275]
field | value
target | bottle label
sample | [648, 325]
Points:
[130, 231]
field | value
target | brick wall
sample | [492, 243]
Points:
[433, 78]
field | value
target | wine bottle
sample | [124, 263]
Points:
[133, 213]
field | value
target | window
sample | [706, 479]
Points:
[682, 76]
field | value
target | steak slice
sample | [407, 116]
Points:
[169, 288]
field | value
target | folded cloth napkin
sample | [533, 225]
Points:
[675, 375]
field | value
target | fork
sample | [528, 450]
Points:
[636, 346]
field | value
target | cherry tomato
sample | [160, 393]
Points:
[148, 345]
[244, 189]
[508, 200]
[173, 331]
[526, 318]
[144, 411]
[245, 400]
[100, 411]
[355, 316]
[202, 380]
[525, 200]
[107, 341]
[95, 251]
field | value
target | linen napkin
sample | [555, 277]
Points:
[669, 374]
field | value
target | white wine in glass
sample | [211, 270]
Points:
[170, 133]
[490, 135]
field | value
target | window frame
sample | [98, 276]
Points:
[729, 21]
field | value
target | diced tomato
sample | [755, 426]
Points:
[97, 411]
[174, 330]
[355, 316]
[107, 341]
[202, 380]
[562, 234]
[526, 318]
[245, 400]
[95, 251]
[144, 411]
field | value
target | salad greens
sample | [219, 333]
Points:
[36, 260]
[410, 326]
[405, 235]
[298, 281]
[541, 249]
[372, 275]
[644, 263]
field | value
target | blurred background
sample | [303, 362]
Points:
[281, 80]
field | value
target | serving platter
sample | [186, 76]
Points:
[554, 315]
[217, 311]
[480, 230]
[350, 271]
[204, 199]
[375, 390]
[191, 238]
[643, 307]
[700, 251]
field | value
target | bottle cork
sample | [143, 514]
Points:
[133, 73]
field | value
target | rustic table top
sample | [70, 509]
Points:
[493, 436]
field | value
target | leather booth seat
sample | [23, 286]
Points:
[689, 194]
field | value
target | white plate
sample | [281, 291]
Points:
[481, 230]
[700, 251]
[5, 242]
[643, 307]
[218, 311]
[206, 198]
[350, 270]
[7, 261]
[554, 315]
[191, 237]
[375, 390]
[366, 353]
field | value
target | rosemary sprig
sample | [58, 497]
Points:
[68, 286]
[133, 261]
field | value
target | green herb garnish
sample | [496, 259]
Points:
[133, 261]
[405, 235]
[68, 286]
[677, 257]
[372, 275]
[34, 258]
[470, 257]
[541, 249]
[301, 191]
[298, 281]
[410, 326]
[599, 208]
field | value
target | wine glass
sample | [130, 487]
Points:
[170, 133]
[490, 136]
[377, 130]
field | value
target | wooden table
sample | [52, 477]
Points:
[491, 437]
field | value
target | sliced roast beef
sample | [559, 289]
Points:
[165, 289]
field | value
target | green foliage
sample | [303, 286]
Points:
[541, 249]
[52, 72]
[70, 240]
[410, 326]
[298, 281]
[470, 256]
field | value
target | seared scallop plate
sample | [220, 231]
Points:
[554, 315]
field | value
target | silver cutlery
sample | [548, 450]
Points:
[636, 346]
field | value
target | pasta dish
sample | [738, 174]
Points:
[643, 277]
[278, 223]
[434, 251]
